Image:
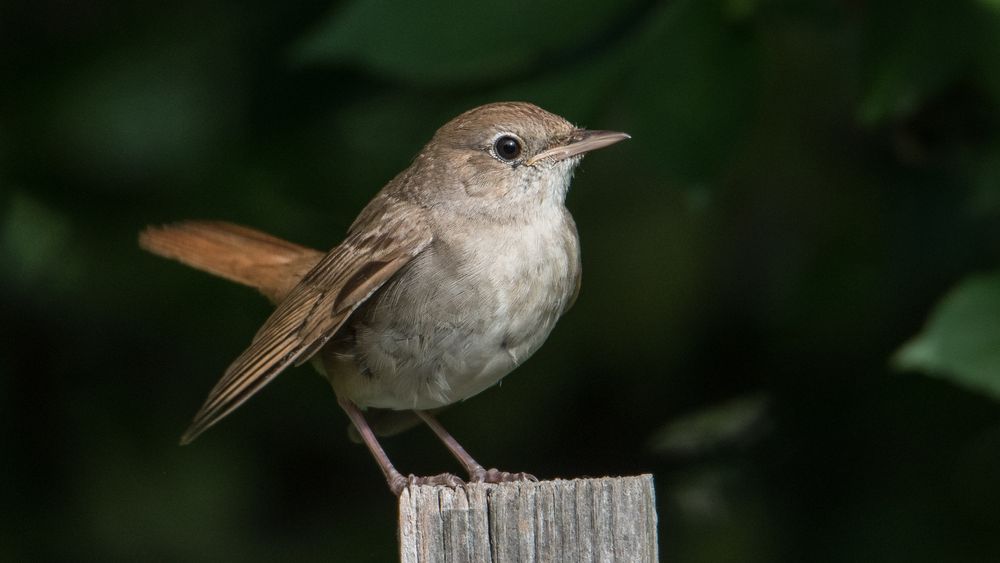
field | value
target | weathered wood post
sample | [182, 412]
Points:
[582, 520]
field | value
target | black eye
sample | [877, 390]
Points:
[507, 147]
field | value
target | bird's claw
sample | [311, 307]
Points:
[496, 476]
[398, 482]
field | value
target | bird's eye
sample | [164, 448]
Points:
[507, 148]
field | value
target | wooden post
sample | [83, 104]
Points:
[598, 520]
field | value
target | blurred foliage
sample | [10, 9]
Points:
[962, 337]
[806, 180]
[379, 36]
[704, 432]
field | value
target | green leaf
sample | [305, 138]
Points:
[961, 341]
[991, 4]
[437, 41]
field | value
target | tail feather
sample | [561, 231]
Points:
[240, 254]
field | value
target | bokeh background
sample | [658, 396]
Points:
[791, 302]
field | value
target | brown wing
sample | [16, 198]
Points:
[314, 310]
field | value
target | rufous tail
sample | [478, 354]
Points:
[240, 254]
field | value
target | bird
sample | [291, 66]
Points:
[453, 275]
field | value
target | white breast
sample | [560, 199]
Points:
[461, 317]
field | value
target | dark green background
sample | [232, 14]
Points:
[806, 180]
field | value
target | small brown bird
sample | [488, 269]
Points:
[452, 276]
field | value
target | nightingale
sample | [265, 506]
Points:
[451, 277]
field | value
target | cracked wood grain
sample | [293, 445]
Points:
[610, 519]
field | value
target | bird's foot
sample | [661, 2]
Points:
[482, 475]
[398, 482]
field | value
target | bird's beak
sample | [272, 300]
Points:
[581, 141]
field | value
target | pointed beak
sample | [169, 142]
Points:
[580, 142]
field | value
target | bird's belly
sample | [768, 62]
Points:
[411, 373]
[438, 334]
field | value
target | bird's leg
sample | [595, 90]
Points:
[477, 473]
[397, 482]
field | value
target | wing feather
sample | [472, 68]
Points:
[314, 310]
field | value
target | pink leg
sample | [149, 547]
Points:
[477, 473]
[397, 482]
